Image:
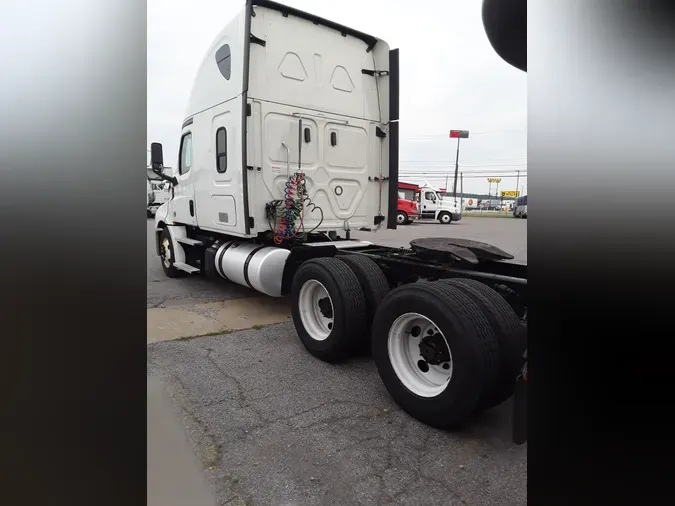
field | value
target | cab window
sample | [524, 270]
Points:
[185, 162]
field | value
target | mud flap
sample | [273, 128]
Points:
[520, 407]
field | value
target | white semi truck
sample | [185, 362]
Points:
[289, 143]
[436, 206]
[159, 191]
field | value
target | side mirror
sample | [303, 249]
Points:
[156, 156]
[157, 162]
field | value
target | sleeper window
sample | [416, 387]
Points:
[224, 61]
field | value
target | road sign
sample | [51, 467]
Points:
[511, 194]
[459, 134]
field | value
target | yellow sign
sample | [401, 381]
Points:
[511, 194]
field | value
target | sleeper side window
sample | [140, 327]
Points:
[185, 162]
[224, 61]
[221, 150]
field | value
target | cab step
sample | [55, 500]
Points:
[186, 267]
[188, 241]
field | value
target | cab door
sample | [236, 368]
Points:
[183, 202]
[428, 202]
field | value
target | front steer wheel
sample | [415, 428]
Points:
[167, 256]
[328, 308]
[435, 352]
[402, 218]
[445, 218]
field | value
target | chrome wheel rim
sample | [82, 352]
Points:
[166, 252]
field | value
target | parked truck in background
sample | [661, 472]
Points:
[433, 202]
[410, 191]
[290, 142]
[520, 208]
[434, 205]
[159, 191]
[151, 198]
[407, 210]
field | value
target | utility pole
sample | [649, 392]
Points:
[461, 190]
[517, 179]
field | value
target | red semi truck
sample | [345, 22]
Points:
[406, 211]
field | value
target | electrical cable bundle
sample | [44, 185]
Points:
[290, 212]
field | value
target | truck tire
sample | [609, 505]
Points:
[445, 218]
[167, 255]
[328, 308]
[443, 388]
[374, 285]
[402, 218]
[511, 338]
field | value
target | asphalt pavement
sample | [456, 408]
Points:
[272, 425]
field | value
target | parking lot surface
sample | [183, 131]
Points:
[271, 425]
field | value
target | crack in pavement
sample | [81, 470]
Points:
[241, 395]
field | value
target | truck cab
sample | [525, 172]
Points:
[436, 206]
[407, 210]
[283, 95]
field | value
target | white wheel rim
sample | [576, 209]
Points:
[400, 218]
[445, 218]
[403, 343]
[166, 250]
[316, 310]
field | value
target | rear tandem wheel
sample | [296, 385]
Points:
[328, 308]
[435, 351]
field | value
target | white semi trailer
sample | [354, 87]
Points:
[290, 142]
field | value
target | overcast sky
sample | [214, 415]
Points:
[451, 78]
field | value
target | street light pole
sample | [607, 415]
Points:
[454, 186]
[456, 134]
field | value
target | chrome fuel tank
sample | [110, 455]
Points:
[253, 265]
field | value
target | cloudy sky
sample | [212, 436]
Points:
[450, 79]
